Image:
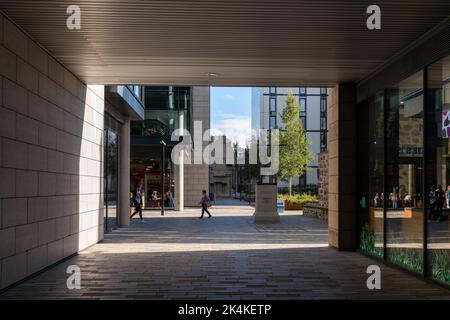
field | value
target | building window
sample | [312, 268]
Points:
[166, 109]
[110, 173]
[272, 90]
[272, 103]
[302, 180]
[273, 121]
[303, 115]
[404, 157]
[394, 171]
[371, 174]
[323, 123]
[323, 142]
[137, 91]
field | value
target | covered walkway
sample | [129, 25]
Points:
[225, 257]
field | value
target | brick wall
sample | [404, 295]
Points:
[51, 127]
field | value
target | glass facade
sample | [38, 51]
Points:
[404, 176]
[313, 116]
[137, 90]
[166, 109]
[273, 108]
[110, 176]
[438, 169]
[404, 173]
[371, 175]
[145, 167]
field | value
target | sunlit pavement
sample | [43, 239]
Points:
[179, 256]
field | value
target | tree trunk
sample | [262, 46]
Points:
[290, 186]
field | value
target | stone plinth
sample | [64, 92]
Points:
[266, 204]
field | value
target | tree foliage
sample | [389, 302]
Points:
[294, 151]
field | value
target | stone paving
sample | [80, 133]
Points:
[179, 256]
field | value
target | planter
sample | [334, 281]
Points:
[293, 206]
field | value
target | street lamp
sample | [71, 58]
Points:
[163, 169]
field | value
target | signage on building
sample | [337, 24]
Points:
[410, 150]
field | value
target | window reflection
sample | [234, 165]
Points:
[110, 174]
[404, 205]
[438, 121]
[372, 176]
[166, 109]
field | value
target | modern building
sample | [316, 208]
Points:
[387, 114]
[122, 105]
[167, 108]
[402, 158]
[222, 177]
[269, 102]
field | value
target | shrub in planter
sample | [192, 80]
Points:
[296, 202]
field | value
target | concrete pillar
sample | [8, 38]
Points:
[124, 175]
[179, 183]
[342, 167]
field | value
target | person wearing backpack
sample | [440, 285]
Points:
[205, 202]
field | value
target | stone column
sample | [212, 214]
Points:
[124, 175]
[342, 166]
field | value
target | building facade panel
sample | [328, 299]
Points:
[267, 106]
[32, 142]
[403, 178]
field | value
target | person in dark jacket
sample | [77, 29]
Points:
[204, 201]
[137, 201]
[440, 200]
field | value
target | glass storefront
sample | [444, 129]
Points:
[404, 176]
[167, 108]
[438, 169]
[110, 176]
[371, 181]
[404, 173]
[146, 174]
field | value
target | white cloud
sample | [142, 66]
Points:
[228, 97]
[236, 128]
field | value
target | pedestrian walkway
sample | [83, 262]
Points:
[179, 256]
[230, 202]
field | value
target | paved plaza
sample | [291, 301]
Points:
[179, 256]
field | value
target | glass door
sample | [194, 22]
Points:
[111, 180]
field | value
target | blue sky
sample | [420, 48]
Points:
[231, 112]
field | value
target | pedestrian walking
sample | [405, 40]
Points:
[137, 200]
[205, 202]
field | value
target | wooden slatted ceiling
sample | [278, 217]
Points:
[252, 42]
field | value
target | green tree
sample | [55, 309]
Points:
[294, 152]
[251, 170]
